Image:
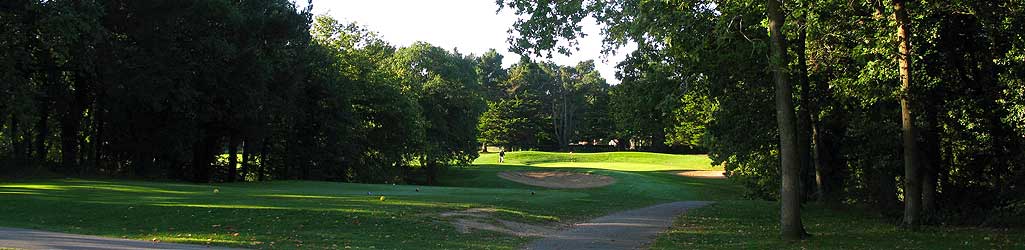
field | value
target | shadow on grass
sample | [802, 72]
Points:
[238, 216]
[294, 214]
[754, 225]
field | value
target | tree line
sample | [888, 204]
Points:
[217, 90]
[223, 91]
[543, 106]
[910, 108]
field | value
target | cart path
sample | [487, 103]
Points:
[34, 239]
[632, 229]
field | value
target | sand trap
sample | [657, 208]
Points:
[703, 174]
[558, 179]
[481, 219]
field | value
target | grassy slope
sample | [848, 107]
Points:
[291, 214]
[623, 161]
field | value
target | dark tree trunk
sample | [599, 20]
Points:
[202, 157]
[827, 176]
[912, 175]
[933, 161]
[70, 127]
[233, 142]
[658, 143]
[883, 189]
[247, 154]
[264, 147]
[432, 173]
[19, 148]
[71, 124]
[791, 228]
[42, 130]
[804, 115]
[98, 138]
[143, 162]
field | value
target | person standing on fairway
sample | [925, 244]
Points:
[501, 156]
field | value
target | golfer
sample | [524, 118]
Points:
[501, 156]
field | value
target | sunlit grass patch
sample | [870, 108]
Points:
[620, 161]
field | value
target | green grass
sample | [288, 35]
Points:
[619, 161]
[294, 214]
[749, 224]
[324, 215]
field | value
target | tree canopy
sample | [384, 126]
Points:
[710, 71]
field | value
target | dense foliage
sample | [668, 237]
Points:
[545, 106]
[703, 72]
[225, 91]
[260, 90]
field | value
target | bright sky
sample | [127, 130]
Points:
[472, 26]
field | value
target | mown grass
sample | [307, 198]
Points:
[322, 215]
[620, 161]
[745, 224]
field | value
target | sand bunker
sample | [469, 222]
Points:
[481, 219]
[558, 179]
[703, 174]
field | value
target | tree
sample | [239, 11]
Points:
[912, 177]
[512, 123]
[368, 107]
[661, 26]
[491, 75]
[444, 84]
[790, 219]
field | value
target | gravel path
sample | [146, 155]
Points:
[633, 229]
[33, 239]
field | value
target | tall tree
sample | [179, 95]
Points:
[912, 175]
[791, 227]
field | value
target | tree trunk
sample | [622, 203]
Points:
[70, 126]
[883, 188]
[71, 123]
[247, 154]
[791, 228]
[42, 130]
[143, 162]
[202, 152]
[263, 159]
[98, 136]
[912, 177]
[233, 142]
[933, 161]
[804, 122]
[19, 148]
[658, 143]
[432, 171]
[821, 155]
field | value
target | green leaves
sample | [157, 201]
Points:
[445, 86]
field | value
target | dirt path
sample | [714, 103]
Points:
[702, 174]
[33, 239]
[633, 229]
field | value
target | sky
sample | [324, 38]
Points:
[471, 26]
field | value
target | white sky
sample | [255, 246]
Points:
[472, 26]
